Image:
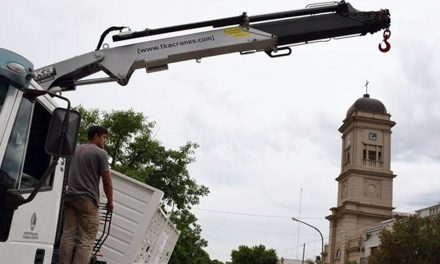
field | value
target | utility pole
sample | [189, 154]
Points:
[304, 252]
[299, 226]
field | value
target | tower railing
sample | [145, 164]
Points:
[372, 163]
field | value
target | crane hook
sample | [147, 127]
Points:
[386, 36]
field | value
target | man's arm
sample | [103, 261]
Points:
[108, 189]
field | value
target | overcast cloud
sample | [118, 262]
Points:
[266, 127]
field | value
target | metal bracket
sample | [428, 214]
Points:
[245, 21]
[274, 54]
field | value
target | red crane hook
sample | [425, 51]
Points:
[386, 36]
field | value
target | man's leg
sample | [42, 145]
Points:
[69, 233]
[88, 225]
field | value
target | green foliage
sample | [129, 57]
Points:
[88, 118]
[254, 255]
[128, 130]
[189, 249]
[412, 240]
[134, 151]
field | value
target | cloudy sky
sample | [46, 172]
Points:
[267, 127]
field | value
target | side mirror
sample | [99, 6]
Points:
[63, 132]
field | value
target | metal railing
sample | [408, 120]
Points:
[105, 219]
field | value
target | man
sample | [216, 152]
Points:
[81, 220]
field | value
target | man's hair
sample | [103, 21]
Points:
[99, 130]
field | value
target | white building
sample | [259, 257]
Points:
[429, 211]
[371, 241]
[289, 261]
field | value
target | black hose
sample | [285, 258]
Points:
[105, 33]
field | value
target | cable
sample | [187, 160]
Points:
[253, 215]
[326, 238]
[105, 33]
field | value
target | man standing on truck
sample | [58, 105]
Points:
[81, 201]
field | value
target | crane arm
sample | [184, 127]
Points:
[243, 34]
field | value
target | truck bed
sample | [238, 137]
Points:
[140, 231]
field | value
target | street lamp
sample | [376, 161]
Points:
[322, 238]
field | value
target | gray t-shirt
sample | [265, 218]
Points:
[86, 167]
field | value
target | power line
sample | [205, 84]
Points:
[232, 225]
[253, 215]
[289, 217]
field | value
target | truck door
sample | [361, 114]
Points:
[27, 234]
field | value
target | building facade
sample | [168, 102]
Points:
[365, 184]
[289, 261]
[429, 211]
[371, 239]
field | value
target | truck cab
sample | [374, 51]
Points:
[30, 230]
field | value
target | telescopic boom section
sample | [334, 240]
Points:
[333, 21]
[230, 21]
[243, 34]
[345, 21]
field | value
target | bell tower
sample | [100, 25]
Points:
[365, 184]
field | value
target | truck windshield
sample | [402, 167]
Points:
[25, 159]
[3, 92]
[15, 151]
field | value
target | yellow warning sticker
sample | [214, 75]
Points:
[236, 32]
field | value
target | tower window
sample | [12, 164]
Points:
[374, 152]
[372, 155]
[347, 156]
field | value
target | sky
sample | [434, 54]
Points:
[267, 128]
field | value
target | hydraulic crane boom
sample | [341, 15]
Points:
[269, 33]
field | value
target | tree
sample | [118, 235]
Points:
[412, 240]
[254, 255]
[189, 249]
[134, 151]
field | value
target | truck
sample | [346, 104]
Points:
[37, 136]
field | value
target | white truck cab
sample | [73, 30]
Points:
[29, 231]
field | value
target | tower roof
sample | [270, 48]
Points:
[367, 105]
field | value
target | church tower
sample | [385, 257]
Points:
[365, 184]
